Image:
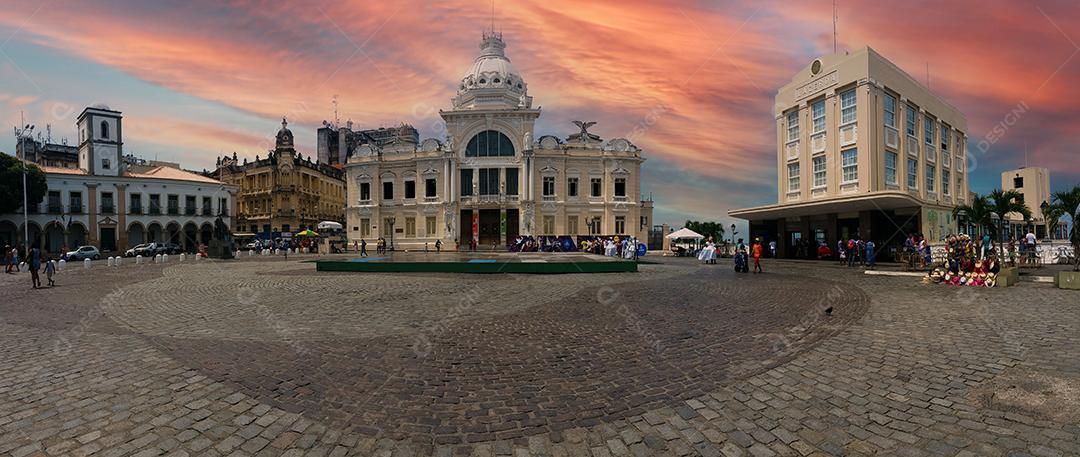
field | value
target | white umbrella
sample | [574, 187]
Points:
[685, 233]
[329, 225]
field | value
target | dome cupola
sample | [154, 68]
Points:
[492, 81]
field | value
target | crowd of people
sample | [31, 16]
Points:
[17, 258]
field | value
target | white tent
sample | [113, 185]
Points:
[685, 233]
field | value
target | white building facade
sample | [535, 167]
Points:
[115, 206]
[491, 180]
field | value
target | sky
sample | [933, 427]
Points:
[691, 82]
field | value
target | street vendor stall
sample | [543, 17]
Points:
[685, 242]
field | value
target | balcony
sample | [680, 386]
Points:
[224, 212]
[206, 211]
[108, 209]
[189, 211]
[154, 210]
[135, 209]
[56, 208]
[75, 208]
[174, 210]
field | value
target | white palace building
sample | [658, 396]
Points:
[492, 179]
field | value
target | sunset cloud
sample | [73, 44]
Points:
[705, 74]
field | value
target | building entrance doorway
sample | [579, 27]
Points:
[512, 226]
[489, 227]
[108, 239]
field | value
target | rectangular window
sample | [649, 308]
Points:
[466, 182]
[549, 225]
[511, 181]
[223, 206]
[820, 171]
[430, 188]
[189, 204]
[155, 204]
[620, 225]
[410, 190]
[429, 226]
[597, 185]
[571, 225]
[207, 207]
[365, 191]
[410, 227]
[793, 125]
[286, 228]
[930, 169]
[365, 227]
[571, 187]
[595, 225]
[817, 112]
[945, 182]
[489, 181]
[851, 165]
[549, 186]
[909, 117]
[136, 204]
[388, 190]
[890, 168]
[890, 111]
[620, 187]
[387, 228]
[928, 130]
[912, 174]
[174, 204]
[793, 177]
[944, 138]
[847, 107]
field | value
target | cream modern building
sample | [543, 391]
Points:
[1034, 184]
[863, 149]
[492, 179]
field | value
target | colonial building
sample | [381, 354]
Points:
[43, 152]
[283, 192]
[864, 150]
[114, 205]
[492, 179]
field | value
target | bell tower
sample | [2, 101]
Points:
[101, 146]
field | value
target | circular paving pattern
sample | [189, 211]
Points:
[460, 358]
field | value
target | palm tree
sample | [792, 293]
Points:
[1003, 202]
[1065, 203]
[977, 212]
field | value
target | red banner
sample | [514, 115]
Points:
[476, 226]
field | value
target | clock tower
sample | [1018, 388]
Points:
[101, 145]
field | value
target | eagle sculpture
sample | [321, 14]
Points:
[584, 126]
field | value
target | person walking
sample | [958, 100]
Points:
[438, 245]
[34, 257]
[870, 260]
[9, 259]
[50, 270]
[756, 249]
[772, 248]
[363, 248]
[851, 252]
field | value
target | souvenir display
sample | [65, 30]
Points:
[965, 265]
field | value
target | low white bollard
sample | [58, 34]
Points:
[138, 259]
[251, 252]
[157, 258]
[237, 254]
[183, 256]
[22, 267]
[164, 258]
[117, 263]
[60, 266]
[86, 264]
[110, 261]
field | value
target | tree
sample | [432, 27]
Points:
[1063, 203]
[1003, 202]
[11, 184]
[977, 212]
[715, 230]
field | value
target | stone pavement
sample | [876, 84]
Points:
[267, 357]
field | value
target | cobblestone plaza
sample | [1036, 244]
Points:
[265, 356]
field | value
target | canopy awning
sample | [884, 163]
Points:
[329, 225]
[307, 233]
[881, 201]
[685, 233]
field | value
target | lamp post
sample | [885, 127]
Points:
[391, 220]
[733, 239]
[1042, 215]
[23, 135]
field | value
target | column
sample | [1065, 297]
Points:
[92, 215]
[121, 217]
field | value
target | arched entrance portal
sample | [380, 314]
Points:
[54, 237]
[8, 233]
[136, 235]
[76, 236]
[205, 233]
[173, 233]
[190, 238]
[154, 233]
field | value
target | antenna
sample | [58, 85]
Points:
[336, 121]
[833, 26]
[492, 17]
[1025, 155]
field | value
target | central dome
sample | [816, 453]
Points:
[492, 79]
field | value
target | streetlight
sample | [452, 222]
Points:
[23, 135]
[391, 220]
[1042, 215]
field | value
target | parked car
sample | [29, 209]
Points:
[170, 248]
[140, 249]
[84, 252]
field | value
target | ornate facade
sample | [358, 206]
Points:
[492, 179]
[283, 192]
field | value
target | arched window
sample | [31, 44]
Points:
[490, 143]
[105, 130]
